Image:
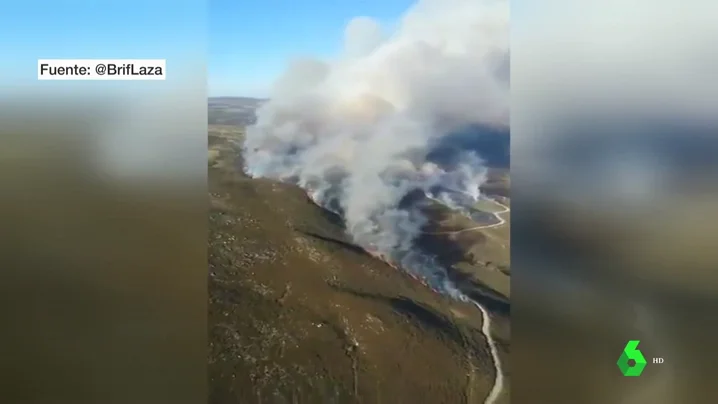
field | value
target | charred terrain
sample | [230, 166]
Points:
[298, 314]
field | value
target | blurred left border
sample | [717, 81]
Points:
[103, 250]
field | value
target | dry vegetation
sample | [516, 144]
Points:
[298, 315]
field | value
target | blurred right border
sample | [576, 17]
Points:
[614, 183]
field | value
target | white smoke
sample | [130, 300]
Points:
[356, 132]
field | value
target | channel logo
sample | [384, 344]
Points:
[632, 361]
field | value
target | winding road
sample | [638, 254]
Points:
[498, 386]
[501, 222]
[486, 321]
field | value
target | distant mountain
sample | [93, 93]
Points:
[491, 144]
[236, 111]
[236, 101]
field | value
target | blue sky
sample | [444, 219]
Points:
[244, 44]
[251, 41]
[113, 29]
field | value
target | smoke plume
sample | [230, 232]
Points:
[358, 133]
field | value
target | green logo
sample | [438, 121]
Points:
[631, 353]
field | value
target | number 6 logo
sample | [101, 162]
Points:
[630, 352]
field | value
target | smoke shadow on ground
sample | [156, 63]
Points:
[491, 144]
[341, 243]
[480, 292]
[448, 252]
[493, 189]
[420, 313]
[473, 288]
[334, 219]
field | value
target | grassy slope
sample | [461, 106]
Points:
[298, 316]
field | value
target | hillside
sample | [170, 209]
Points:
[299, 315]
